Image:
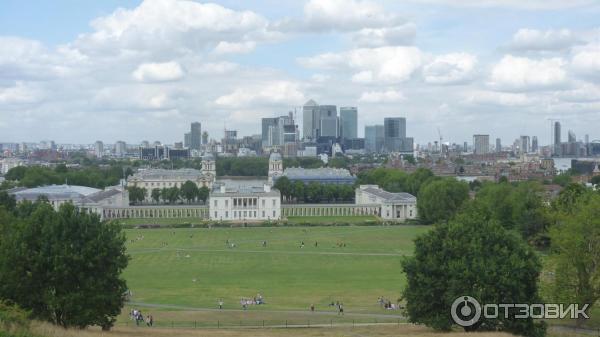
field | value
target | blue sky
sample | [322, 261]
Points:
[147, 71]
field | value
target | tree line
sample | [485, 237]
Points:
[489, 247]
[314, 192]
[188, 192]
[92, 176]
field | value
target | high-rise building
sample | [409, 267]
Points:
[465, 147]
[348, 122]
[187, 139]
[374, 136]
[310, 120]
[328, 121]
[120, 148]
[572, 138]
[145, 143]
[534, 144]
[99, 148]
[204, 138]
[279, 130]
[524, 144]
[481, 144]
[195, 136]
[557, 139]
[267, 130]
[395, 140]
[498, 145]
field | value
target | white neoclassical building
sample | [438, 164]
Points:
[275, 167]
[245, 203]
[161, 178]
[392, 206]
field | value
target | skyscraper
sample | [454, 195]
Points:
[557, 139]
[498, 145]
[120, 148]
[310, 120]
[195, 136]
[99, 149]
[204, 138]
[348, 122]
[267, 125]
[374, 136]
[524, 144]
[481, 144]
[395, 140]
[572, 138]
[534, 144]
[328, 121]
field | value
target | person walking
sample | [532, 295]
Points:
[221, 303]
[312, 308]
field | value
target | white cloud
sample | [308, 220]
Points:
[377, 37]
[533, 39]
[225, 47]
[158, 72]
[516, 4]
[584, 92]
[19, 94]
[347, 15]
[484, 97]
[381, 65]
[450, 69]
[277, 92]
[586, 60]
[320, 78]
[388, 96]
[167, 26]
[521, 73]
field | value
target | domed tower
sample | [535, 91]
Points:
[275, 166]
[209, 168]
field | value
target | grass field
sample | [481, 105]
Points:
[190, 269]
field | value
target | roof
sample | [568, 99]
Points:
[188, 174]
[275, 156]
[311, 103]
[96, 197]
[389, 196]
[317, 173]
[55, 192]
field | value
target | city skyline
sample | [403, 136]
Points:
[83, 72]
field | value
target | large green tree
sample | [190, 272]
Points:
[156, 194]
[189, 191]
[440, 199]
[575, 253]
[65, 267]
[136, 194]
[203, 193]
[284, 185]
[474, 256]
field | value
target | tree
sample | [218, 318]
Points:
[440, 199]
[595, 180]
[156, 194]
[575, 253]
[189, 191]
[16, 173]
[471, 256]
[8, 201]
[284, 185]
[203, 193]
[568, 197]
[65, 267]
[136, 194]
[169, 194]
[298, 190]
[313, 191]
[562, 179]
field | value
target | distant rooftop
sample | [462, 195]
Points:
[389, 196]
[316, 173]
[190, 174]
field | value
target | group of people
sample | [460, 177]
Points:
[256, 300]
[339, 306]
[137, 316]
[387, 304]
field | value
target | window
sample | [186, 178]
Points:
[216, 215]
[226, 203]
[274, 202]
[255, 214]
[263, 214]
[273, 213]
[216, 203]
[263, 202]
[234, 214]
[410, 212]
[234, 201]
[226, 214]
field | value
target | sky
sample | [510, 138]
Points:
[80, 71]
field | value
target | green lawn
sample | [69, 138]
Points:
[160, 221]
[195, 267]
[324, 220]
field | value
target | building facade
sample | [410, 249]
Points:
[348, 122]
[392, 206]
[374, 138]
[245, 204]
[481, 144]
